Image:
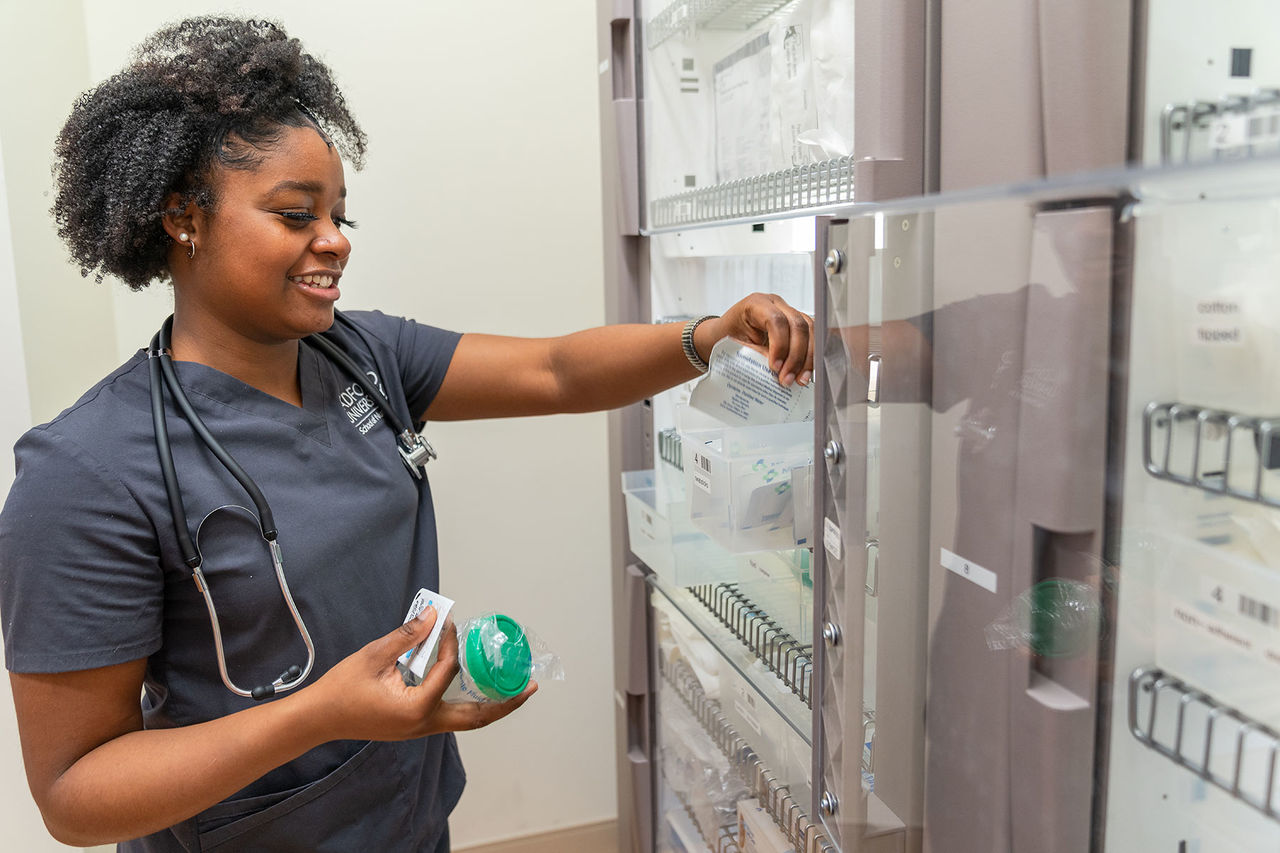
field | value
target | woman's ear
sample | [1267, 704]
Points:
[179, 218]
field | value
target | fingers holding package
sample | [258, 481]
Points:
[364, 697]
[782, 333]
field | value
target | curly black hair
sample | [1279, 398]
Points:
[203, 93]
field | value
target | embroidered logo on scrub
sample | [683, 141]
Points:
[359, 409]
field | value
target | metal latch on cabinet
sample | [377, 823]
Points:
[873, 379]
[831, 633]
[834, 262]
[833, 452]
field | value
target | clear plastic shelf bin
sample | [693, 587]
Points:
[738, 483]
[665, 540]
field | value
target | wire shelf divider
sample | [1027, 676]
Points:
[1156, 683]
[785, 656]
[1217, 439]
[689, 16]
[1232, 127]
[813, 185]
[774, 797]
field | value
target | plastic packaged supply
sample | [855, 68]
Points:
[1056, 618]
[497, 658]
[413, 663]
[740, 390]
[811, 83]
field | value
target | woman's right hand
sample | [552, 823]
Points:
[364, 696]
[98, 776]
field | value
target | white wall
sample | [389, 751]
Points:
[18, 813]
[43, 67]
[44, 303]
[479, 210]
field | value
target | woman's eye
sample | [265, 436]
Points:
[300, 218]
[297, 216]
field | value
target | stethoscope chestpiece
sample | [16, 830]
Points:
[415, 451]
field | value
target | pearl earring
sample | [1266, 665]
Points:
[184, 237]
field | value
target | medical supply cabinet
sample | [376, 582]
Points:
[1015, 587]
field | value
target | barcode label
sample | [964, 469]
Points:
[1224, 596]
[646, 529]
[1254, 609]
[702, 472]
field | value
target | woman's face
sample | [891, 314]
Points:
[269, 255]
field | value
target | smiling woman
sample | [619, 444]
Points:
[206, 94]
[214, 161]
[211, 162]
[267, 259]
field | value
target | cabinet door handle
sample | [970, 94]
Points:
[873, 379]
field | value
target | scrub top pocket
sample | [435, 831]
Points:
[362, 804]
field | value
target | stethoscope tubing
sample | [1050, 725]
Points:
[162, 376]
[161, 344]
[414, 449]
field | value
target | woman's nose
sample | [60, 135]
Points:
[331, 241]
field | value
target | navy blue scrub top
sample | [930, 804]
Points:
[91, 575]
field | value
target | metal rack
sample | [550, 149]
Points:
[717, 834]
[1216, 439]
[670, 448]
[1247, 781]
[814, 185]
[687, 16]
[1235, 126]
[784, 655]
[725, 840]
[774, 796]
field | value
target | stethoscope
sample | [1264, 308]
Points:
[413, 448]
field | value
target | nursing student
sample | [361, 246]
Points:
[215, 163]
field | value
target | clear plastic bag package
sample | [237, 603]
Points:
[1055, 618]
[497, 658]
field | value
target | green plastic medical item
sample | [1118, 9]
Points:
[497, 657]
[1062, 617]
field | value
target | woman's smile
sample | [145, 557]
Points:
[322, 286]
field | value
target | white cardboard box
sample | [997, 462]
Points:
[757, 833]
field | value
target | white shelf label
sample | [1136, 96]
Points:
[969, 570]
[1230, 131]
[1218, 323]
[831, 537]
[645, 526]
[1240, 604]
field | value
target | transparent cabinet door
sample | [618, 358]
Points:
[722, 518]
[965, 357]
[734, 767]
[1021, 345]
[872, 567]
[1195, 732]
[726, 501]
[750, 106]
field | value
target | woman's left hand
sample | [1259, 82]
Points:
[766, 323]
[494, 376]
